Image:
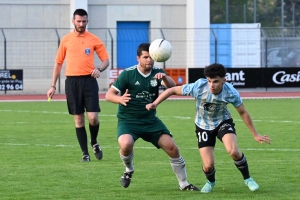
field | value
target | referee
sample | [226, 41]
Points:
[81, 86]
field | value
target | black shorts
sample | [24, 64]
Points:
[207, 138]
[82, 94]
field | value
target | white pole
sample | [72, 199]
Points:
[198, 33]
[75, 4]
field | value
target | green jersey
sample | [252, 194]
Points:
[143, 89]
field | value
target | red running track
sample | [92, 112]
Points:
[61, 97]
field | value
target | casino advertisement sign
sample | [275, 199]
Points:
[238, 77]
[283, 77]
[11, 79]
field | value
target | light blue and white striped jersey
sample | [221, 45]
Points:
[211, 109]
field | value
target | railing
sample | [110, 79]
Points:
[34, 50]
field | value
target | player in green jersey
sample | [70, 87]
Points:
[136, 87]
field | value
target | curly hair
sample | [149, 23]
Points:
[214, 70]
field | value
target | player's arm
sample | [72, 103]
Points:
[249, 123]
[167, 81]
[112, 96]
[163, 96]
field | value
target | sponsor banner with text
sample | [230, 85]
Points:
[113, 75]
[282, 77]
[11, 79]
[255, 77]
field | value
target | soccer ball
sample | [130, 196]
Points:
[160, 50]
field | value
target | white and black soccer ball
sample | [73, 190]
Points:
[160, 50]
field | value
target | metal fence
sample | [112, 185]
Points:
[267, 13]
[34, 51]
[280, 47]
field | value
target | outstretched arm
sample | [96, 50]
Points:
[248, 121]
[168, 81]
[163, 96]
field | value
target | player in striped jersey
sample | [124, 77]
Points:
[213, 120]
[138, 86]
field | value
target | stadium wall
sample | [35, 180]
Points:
[32, 30]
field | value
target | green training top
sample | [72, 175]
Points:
[143, 89]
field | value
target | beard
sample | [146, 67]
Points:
[80, 29]
[147, 67]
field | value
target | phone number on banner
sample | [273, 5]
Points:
[11, 86]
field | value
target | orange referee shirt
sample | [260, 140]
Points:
[79, 53]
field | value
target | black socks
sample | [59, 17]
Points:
[242, 165]
[210, 175]
[94, 133]
[82, 139]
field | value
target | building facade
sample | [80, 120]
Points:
[32, 29]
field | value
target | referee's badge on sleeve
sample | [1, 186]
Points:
[87, 51]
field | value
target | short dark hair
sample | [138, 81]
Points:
[214, 70]
[80, 12]
[143, 47]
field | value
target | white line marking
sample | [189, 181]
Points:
[170, 99]
[181, 117]
[270, 121]
[161, 117]
[115, 147]
[38, 100]
[49, 112]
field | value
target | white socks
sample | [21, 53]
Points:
[127, 161]
[178, 166]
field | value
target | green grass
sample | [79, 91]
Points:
[40, 155]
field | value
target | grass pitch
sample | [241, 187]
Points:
[40, 155]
